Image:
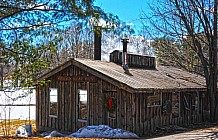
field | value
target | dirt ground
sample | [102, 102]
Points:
[200, 134]
[191, 132]
[9, 127]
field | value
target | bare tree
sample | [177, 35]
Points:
[76, 41]
[177, 54]
[192, 19]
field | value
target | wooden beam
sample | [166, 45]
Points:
[55, 70]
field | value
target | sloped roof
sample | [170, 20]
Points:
[163, 78]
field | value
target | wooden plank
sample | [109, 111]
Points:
[91, 106]
[73, 107]
[43, 107]
[100, 113]
[105, 119]
[76, 105]
[54, 123]
[149, 126]
[74, 99]
[56, 119]
[66, 104]
[116, 109]
[96, 102]
[55, 71]
[123, 112]
[141, 114]
[125, 109]
[62, 107]
[134, 111]
[146, 128]
[128, 111]
[152, 125]
[77, 102]
[88, 102]
[70, 103]
[119, 98]
[46, 107]
[78, 78]
[47, 104]
[137, 100]
[59, 106]
[113, 120]
[38, 106]
[145, 114]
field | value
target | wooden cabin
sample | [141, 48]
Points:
[138, 99]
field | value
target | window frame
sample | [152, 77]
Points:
[79, 105]
[53, 115]
[174, 102]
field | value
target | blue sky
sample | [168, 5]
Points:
[127, 10]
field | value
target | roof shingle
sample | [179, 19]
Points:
[164, 77]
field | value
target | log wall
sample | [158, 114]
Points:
[132, 112]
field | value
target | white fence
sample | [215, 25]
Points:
[17, 104]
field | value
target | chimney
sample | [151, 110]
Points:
[124, 54]
[97, 42]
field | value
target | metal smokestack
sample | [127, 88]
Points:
[124, 54]
[97, 42]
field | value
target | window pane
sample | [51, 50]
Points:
[53, 101]
[83, 110]
[175, 105]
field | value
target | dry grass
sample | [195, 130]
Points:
[57, 138]
[37, 138]
[8, 130]
[9, 127]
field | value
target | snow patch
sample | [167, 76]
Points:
[24, 131]
[100, 131]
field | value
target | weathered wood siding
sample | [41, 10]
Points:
[155, 117]
[132, 112]
[67, 118]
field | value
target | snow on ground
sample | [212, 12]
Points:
[100, 131]
[14, 104]
[17, 112]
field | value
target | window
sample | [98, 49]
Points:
[175, 105]
[53, 104]
[194, 98]
[82, 106]
[166, 103]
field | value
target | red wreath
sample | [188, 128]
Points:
[110, 104]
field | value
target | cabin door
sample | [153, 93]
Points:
[110, 107]
[82, 108]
